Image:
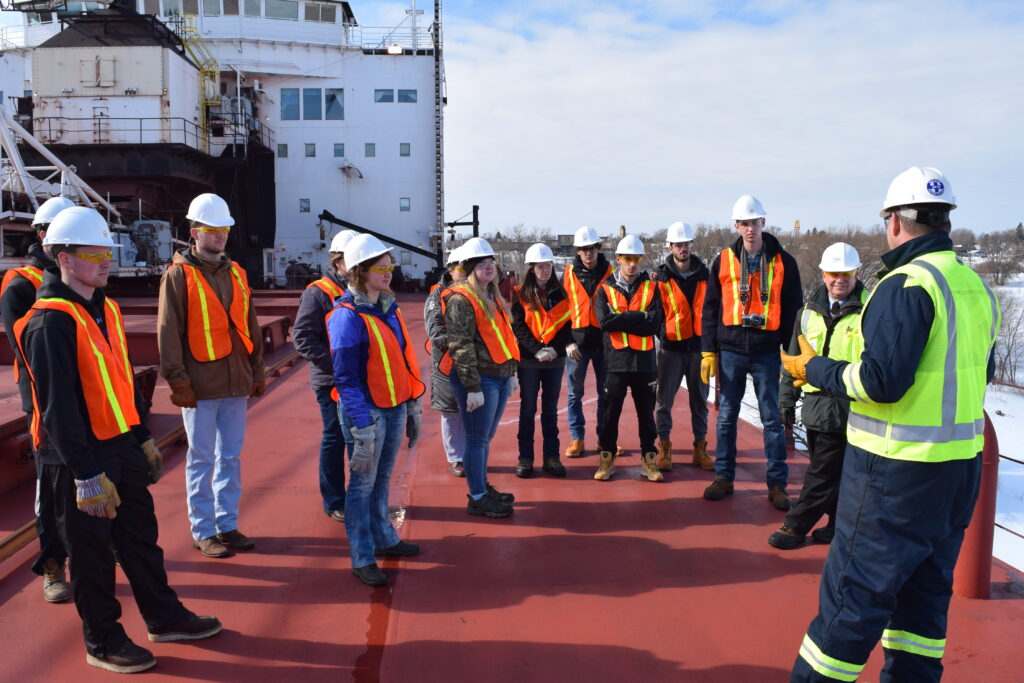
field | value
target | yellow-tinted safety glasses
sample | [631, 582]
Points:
[214, 231]
[96, 257]
[631, 259]
[848, 273]
[383, 270]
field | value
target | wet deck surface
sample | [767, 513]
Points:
[625, 580]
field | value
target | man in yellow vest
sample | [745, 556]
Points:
[17, 294]
[211, 354]
[915, 433]
[97, 458]
[830, 322]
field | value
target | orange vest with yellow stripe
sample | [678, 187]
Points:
[103, 368]
[642, 298]
[327, 286]
[736, 303]
[445, 364]
[681, 320]
[392, 375]
[33, 275]
[544, 323]
[581, 307]
[495, 330]
[209, 325]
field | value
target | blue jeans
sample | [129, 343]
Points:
[481, 424]
[577, 373]
[531, 382]
[213, 469]
[366, 501]
[332, 452]
[764, 368]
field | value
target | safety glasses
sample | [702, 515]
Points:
[631, 259]
[96, 257]
[847, 273]
[592, 247]
[214, 231]
[380, 270]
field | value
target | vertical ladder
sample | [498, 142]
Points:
[438, 131]
[209, 71]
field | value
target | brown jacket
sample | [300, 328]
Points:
[224, 378]
[468, 351]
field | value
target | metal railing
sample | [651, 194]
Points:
[152, 130]
[379, 38]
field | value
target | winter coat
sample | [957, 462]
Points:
[17, 299]
[309, 334]
[698, 272]
[590, 337]
[642, 323]
[530, 345]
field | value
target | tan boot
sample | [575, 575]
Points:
[575, 449]
[701, 457]
[649, 468]
[607, 467]
[55, 586]
[665, 456]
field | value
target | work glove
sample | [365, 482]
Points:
[708, 366]
[413, 421]
[182, 394]
[788, 415]
[258, 387]
[365, 438]
[97, 496]
[513, 384]
[546, 354]
[573, 351]
[474, 400]
[154, 459]
[797, 365]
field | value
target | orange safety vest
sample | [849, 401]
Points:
[327, 286]
[445, 364]
[33, 275]
[496, 331]
[544, 323]
[642, 298]
[390, 380]
[209, 327]
[580, 304]
[104, 370]
[737, 303]
[681, 321]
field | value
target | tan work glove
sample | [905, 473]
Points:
[97, 496]
[258, 387]
[708, 366]
[182, 394]
[797, 365]
[154, 459]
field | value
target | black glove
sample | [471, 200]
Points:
[788, 415]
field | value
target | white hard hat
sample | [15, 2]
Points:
[49, 209]
[585, 236]
[630, 245]
[538, 253]
[362, 248]
[680, 232]
[454, 256]
[918, 185]
[79, 226]
[746, 208]
[340, 240]
[209, 209]
[839, 258]
[475, 247]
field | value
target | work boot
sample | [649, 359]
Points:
[192, 627]
[649, 468]
[824, 535]
[786, 538]
[212, 547]
[524, 470]
[236, 540]
[606, 468]
[779, 498]
[129, 659]
[488, 506]
[719, 489]
[55, 585]
[665, 456]
[506, 498]
[575, 449]
[619, 451]
[701, 457]
[554, 467]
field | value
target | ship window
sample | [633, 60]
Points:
[303, 206]
[289, 104]
[370, 149]
[403, 204]
[172, 8]
[230, 8]
[312, 104]
[406, 95]
[190, 6]
[334, 104]
[315, 12]
[252, 8]
[404, 149]
[339, 147]
[327, 14]
[211, 8]
[310, 149]
[386, 95]
[282, 150]
[35, 18]
[282, 9]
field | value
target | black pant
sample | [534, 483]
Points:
[133, 534]
[820, 492]
[50, 546]
[546, 381]
[643, 386]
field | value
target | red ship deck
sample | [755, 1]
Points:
[623, 580]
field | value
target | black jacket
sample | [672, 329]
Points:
[590, 337]
[530, 345]
[751, 341]
[51, 351]
[309, 334]
[643, 323]
[688, 283]
[17, 299]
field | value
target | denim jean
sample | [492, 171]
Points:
[332, 452]
[481, 425]
[213, 468]
[533, 381]
[366, 501]
[764, 368]
[453, 436]
[577, 373]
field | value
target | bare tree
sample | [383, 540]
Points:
[1009, 348]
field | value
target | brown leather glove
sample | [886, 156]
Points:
[154, 459]
[182, 394]
[258, 387]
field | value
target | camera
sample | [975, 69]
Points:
[753, 320]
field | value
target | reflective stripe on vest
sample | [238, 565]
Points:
[940, 417]
[905, 641]
[33, 275]
[581, 306]
[846, 342]
[730, 273]
[209, 331]
[103, 368]
[327, 286]
[830, 667]
[494, 330]
[543, 323]
[641, 299]
[681, 320]
[392, 375]
[445, 364]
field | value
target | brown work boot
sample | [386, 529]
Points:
[55, 585]
[665, 456]
[779, 498]
[619, 451]
[719, 489]
[607, 467]
[575, 449]
[212, 547]
[649, 468]
[700, 456]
